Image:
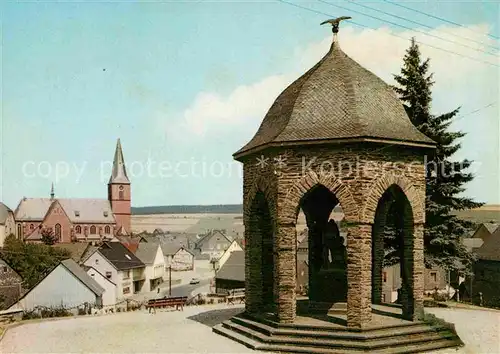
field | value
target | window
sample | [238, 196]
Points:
[32, 226]
[58, 232]
[126, 274]
[19, 231]
[126, 290]
[107, 230]
[92, 230]
[385, 276]
[96, 261]
[5, 269]
[77, 213]
[105, 213]
[108, 275]
[78, 229]
[434, 276]
[120, 195]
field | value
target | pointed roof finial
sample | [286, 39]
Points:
[119, 173]
[52, 194]
[335, 24]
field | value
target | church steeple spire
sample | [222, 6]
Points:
[119, 173]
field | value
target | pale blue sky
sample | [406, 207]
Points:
[78, 75]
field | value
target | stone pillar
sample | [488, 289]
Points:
[377, 259]
[285, 272]
[253, 273]
[413, 272]
[359, 275]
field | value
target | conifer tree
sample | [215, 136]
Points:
[445, 178]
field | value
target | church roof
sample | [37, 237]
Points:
[119, 172]
[336, 101]
[79, 210]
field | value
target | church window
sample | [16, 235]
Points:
[107, 230]
[92, 230]
[78, 229]
[58, 231]
[19, 231]
[120, 195]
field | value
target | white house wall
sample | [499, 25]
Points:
[233, 247]
[154, 270]
[102, 265]
[59, 288]
[109, 297]
[182, 260]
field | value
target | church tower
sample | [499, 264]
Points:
[119, 194]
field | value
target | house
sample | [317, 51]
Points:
[7, 223]
[480, 235]
[122, 267]
[10, 285]
[486, 273]
[78, 251]
[232, 274]
[214, 243]
[67, 285]
[152, 256]
[110, 296]
[177, 256]
[73, 220]
[234, 246]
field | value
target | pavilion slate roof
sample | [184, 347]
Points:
[336, 100]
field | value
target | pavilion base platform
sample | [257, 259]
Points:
[327, 332]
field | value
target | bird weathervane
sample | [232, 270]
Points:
[335, 22]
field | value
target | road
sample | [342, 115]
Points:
[184, 290]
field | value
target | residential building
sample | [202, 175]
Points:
[67, 285]
[486, 274]
[232, 274]
[119, 265]
[234, 246]
[7, 223]
[110, 295]
[78, 220]
[177, 256]
[214, 243]
[10, 285]
[152, 256]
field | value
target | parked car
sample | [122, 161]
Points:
[194, 281]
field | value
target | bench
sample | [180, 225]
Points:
[177, 302]
[235, 295]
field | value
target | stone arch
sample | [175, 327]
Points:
[378, 188]
[265, 186]
[332, 183]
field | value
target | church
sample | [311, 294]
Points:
[79, 219]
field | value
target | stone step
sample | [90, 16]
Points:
[313, 341]
[402, 349]
[393, 332]
[313, 327]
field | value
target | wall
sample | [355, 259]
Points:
[102, 265]
[154, 270]
[8, 228]
[487, 281]
[121, 207]
[215, 245]
[60, 287]
[56, 215]
[109, 296]
[10, 285]
[26, 228]
[182, 260]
